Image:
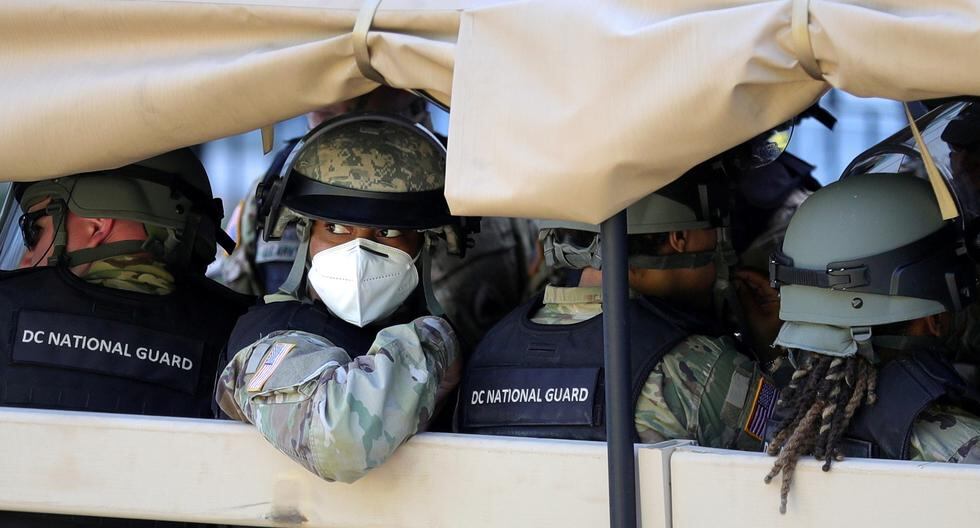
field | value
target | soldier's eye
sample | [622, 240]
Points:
[389, 233]
[338, 229]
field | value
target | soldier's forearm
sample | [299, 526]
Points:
[345, 417]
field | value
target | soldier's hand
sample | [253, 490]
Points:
[449, 380]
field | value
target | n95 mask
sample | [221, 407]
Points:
[362, 281]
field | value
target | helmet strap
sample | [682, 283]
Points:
[435, 308]
[104, 251]
[904, 343]
[184, 252]
[725, 297]
[57, 209]
[289, 290]
[694, 259]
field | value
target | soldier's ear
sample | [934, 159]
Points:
[90, 232]
[677, 240]
[938, 324]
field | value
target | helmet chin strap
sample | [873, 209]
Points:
[435, 308]
[289, 290]
[725, 297]
[57, 209]
[104, 251]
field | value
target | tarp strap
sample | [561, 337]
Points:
[268, 138]
[359, 40]
[946, 204]
[800, 31]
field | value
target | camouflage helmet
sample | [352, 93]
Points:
[170, 194]
[367, 169]
[363, 169]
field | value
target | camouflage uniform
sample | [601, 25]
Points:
[319, 400]
[135, 273]
[946, 434]
[703, 389]
[240, 270]
[237, 270]
[336, 416]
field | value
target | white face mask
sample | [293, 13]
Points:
[362, 281]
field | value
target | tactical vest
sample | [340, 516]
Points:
[906, 387]
[314, 318]
[546, 381]
[78, 346]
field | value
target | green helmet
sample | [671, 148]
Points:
[169, 194]
[870, 249]
[696, 200]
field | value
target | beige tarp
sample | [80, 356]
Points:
[561, 108]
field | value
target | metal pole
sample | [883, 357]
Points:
[619, 404]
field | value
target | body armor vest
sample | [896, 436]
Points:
[529, 379]
[313, 318]
[906, 387]
[79, 346]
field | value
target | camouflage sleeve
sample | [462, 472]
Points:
[338, 417]
[946, 434]
[703, 390]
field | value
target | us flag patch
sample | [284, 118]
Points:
[272, 360]
[763, 405]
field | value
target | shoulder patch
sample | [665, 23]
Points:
[763, 404]
[273, 358]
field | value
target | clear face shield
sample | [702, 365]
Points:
[12, 247]
[951, 134]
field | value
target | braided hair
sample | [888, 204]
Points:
[819, 402]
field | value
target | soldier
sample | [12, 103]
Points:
[961, 134]
[256, 266]
[346, 362]
[111, 311]
[538, 372]
[870, 275]
[476, 289]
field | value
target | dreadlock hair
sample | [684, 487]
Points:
[818, 404]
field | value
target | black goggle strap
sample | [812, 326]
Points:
[904, 343]
[673, 261]
[894, 272]
[868, 344]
